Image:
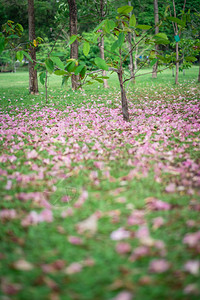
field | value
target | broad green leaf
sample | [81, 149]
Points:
[144, 27]
[72, 39]
[153, 62]
[70, 66]
[58, 62]
[132, 21]
[64, 80]
[60, 72]
[2, 43]
[79, 69]
[20, 27]
[27, 55]
[82, 72]
[114, 46]
[121, 39]
[49, 65]
[109, 25]
[125, 9]
[86, 48]
[177, 20]
[99, 26]
[161, 35]
[161, 38]
[20, 55]
[101, 63]
[42, 77]
[190, 58]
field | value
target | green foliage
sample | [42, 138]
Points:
[124, 10]
[101, 63]
[49, 65]
[86, 48]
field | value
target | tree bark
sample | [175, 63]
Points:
[73, 31]
[136, 53]
[33, 83]
[199, 70]
[131, 66]
[124, 100]
[101, 48]
[156, 19]
[177, 64]
[101, 44]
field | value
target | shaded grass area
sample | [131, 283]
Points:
[84, 150]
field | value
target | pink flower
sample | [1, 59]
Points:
[159, 266]
[31, 154]
[170, 188]
[192, 239]
[75, 240]
[136, 218]
[124, 295]
[158, 222]
[120, 234]
[8, 214]
[73, 268]
[155, 204]
[192, 266]
[122, 248]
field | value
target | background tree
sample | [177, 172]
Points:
[33, 83]
[73, 31]
[102, 12]
[129, 38]
[156, 19]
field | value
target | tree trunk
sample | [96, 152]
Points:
[124, 100]
[177, 64]
[33, 83]
[131, 66]
[199, 70]
[136, 53]
[156, 19]
[101, 44]
[73, 31]
[101, 47]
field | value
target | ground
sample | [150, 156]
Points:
[93, 207]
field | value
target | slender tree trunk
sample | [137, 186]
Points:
[199, 70]
[101, 47]
[177, 64]
[33, 83]
[101, 44]
[131, 66]
[124, 100]
[156, 19]
[136, 53]
[173, 72]
[73, 31]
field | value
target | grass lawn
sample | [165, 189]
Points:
[92, 207]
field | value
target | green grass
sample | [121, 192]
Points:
[113, 192]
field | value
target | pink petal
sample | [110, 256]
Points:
[122, 248]
[120, 234]
[159, 266]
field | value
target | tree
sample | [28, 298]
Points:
[33, 83]
[177, 34]
[156, 19]
[73, 31]
[129, 38]
[101, 43]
